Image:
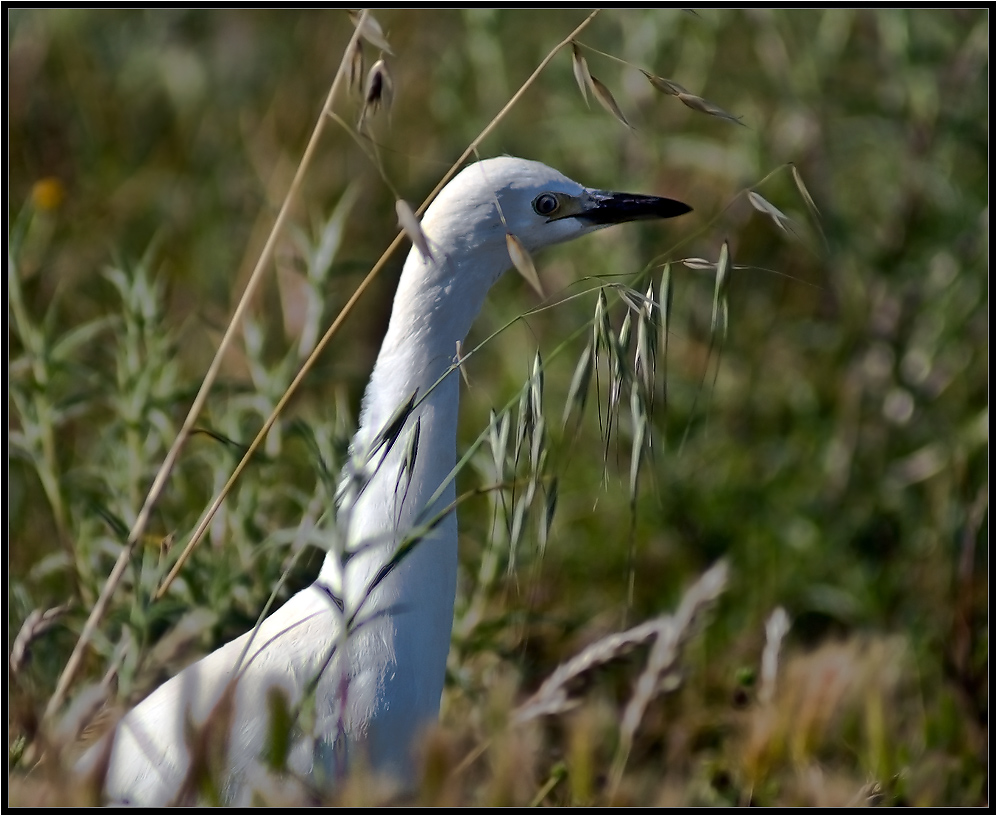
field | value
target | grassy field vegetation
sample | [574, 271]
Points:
[816, 418]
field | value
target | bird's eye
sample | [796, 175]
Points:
[545, 204]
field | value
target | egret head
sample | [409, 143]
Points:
[467, 228]
[534, 202]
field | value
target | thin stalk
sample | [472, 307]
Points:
[159, 483]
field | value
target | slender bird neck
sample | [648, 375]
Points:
[436, 302]
[403, 610]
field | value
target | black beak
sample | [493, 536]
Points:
[618, 208]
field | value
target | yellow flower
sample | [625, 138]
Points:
[47, 194]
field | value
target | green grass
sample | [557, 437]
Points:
[832, 446]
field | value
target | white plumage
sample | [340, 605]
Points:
[377, 687]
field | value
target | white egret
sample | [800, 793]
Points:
[377, 687]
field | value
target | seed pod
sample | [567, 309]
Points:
[524, 263]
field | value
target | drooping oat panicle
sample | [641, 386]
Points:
[407, 471]
[606, 99]
[782, 221]
[498, 441]
[666, 86]
[578, 390]
[617, 370]
[699, 264]
[720, 286]
[601, 329]
[524, 263]
[370, 30]
[602, 338]
[525, 417]
[538, 451]
[378, 92]
[580, 69]
[524, 422]
[807, 198]
[638, 415]
[634, 299]
[626, 329]
[393, 427]
[547, 519]
[530, 445]
[621, 372]
[645, 355]
[355, 75]
[690, 100]
[664, 315]
[516, 529]
[413, 229]
[697, 103]
[537, 389]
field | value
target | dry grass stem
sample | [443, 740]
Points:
[669, 634]
[555, 697]
[673, 633]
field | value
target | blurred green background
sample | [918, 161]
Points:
[835, 452]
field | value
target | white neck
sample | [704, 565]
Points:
[399, 653]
